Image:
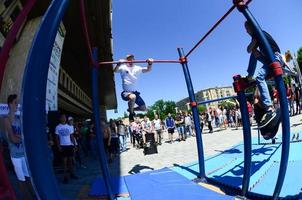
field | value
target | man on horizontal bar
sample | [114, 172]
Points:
[129, 74]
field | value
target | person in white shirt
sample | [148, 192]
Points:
[65, 144]
[158, 129]
[129, 74]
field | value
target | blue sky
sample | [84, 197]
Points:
[154, 29]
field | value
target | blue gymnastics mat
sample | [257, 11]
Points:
[118, 185]
[292, 183]
[167, 184]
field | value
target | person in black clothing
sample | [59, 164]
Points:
[297, 98]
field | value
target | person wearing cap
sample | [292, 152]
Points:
[130, 74]
[65, 143]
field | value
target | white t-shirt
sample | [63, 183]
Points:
[157, 124]
[64, 132]
[129, 76]
[188, 121]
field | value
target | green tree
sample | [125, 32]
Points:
[287, 79]
[228, 104]
[162, 108]
[201, 108]
[299, 57]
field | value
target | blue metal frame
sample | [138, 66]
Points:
[247, 140]
[215, 100]
[33, 103]
[221, 99]
[185, 68]
[98, 130]
[283, 102]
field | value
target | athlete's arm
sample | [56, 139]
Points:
[117, 66]
[149, 66]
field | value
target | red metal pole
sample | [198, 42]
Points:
[85, 30]
[11, 37]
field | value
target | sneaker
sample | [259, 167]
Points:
[293, 138]
[271, 126]
[297, 138]
[267, 118]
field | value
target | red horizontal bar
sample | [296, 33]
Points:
[139, 61]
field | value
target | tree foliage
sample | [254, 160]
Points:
[161, 108]
[299, 57]
[228, 104]
[201, 108]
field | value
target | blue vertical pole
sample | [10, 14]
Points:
[246, 140]
[98, 130]
[33, 103]
[185, 68]
[283, 102]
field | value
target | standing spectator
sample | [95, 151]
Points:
[76, 144]
[237, 117]
[122, 135]
[148, 128]
[170, 125]
[188, 124]
[133, 131]
[202, 120]
[65, 143]
[158, 129]
[106, 139]
[78, 139]
[17, 151]
[114, 146]
[209, 120]
[297, 98]
[290, 97]
[180, 125]
[275, 97]
[84, 132]
[129, 74]
[224, 117]
[193, 124]
[250, 111]
[92, 141]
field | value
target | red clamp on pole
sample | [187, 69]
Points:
[239, 84]
[276, 68]
[193, 103]
[183, 59]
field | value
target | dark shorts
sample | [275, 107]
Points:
[171, 130]
[67, 151]
[139, 101]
